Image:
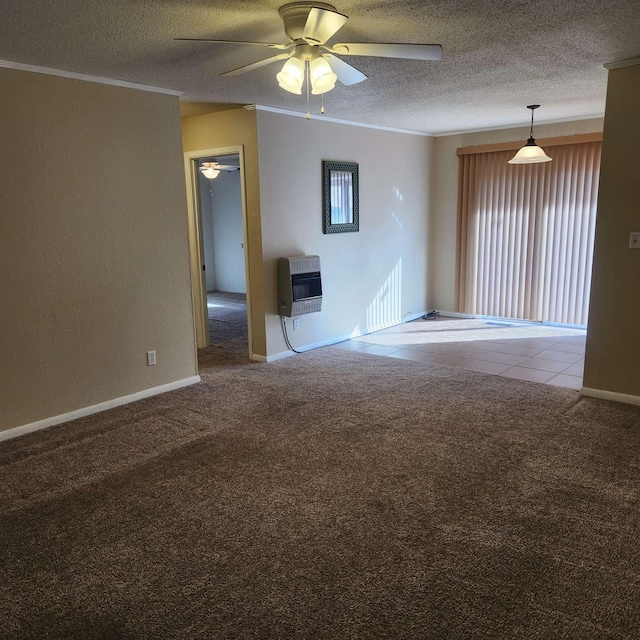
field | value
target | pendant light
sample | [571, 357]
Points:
[531, 153]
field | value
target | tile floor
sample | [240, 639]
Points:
[527, 351]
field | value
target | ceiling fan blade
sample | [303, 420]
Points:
[408, 51]
[257, 65]
[346, 73]
[223, 167]
[322, 24]
[271, 45]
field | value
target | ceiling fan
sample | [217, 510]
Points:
[309, 25]
[211, 170]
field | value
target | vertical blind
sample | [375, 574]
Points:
[525, 234]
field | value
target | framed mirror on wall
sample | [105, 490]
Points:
[340, 197]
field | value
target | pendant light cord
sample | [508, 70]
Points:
[533, 107]
[531, 130]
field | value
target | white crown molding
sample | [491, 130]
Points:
[631, 62]
[298, 114]
[522, 125]
[19, 66]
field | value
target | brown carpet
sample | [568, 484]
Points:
[329, 495]
[228, 330]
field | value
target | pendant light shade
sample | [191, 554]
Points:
[531, 153]
[292, 75]
[322, 77]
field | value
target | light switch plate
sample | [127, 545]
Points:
[634, 240]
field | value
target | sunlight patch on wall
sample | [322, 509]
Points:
[400, 198]
[395, 217]
[356, 331]
[386, 309]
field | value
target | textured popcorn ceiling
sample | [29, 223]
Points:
[499, 55]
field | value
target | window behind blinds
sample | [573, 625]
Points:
[526, 234]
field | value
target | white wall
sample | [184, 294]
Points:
[94, 264]
[228, 247]
[372, 278]
[206, 211]
[222, 234]
[612, 362]
[444, 197]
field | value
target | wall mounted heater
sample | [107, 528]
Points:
[299, 285]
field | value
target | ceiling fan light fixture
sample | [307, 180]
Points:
[531, 153]
[291, 77]
[208, 170]
[323, 78]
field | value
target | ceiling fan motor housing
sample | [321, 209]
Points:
[295, 14]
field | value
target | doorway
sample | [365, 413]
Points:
[217, 230]
[220, 203]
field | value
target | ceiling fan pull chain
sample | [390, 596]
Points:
[322, 109]
[306, 68]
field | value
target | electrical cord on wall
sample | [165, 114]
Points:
[430, 315]
[283, 322]
[286, 336]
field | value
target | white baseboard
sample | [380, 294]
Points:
[96, 408]
[279, 356]
[475, 316]
[610, 395]
[456, 314]
[327, 343]
[309, 347]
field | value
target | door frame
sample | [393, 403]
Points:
[196, 243]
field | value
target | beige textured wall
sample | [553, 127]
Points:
[613, 338]
[372, 277]
[94, 264]
[444, 203]
[225, 129]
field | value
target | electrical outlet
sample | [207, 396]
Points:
[151, 358]
[634, 240]
[296, 324]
